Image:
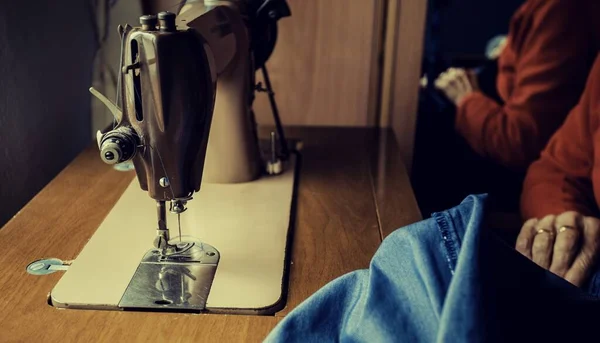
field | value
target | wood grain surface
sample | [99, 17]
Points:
[324, 65]
[404, 46]
[396, 204]
[336, 232]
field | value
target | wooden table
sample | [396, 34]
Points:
[353, 191]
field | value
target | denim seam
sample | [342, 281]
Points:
[449, 243]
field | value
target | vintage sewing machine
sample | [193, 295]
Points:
[206, 224]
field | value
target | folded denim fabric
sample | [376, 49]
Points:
[446, 279]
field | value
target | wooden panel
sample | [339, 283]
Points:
[390, 36]
[322, 67]
[336, 232]
[407, 20]
[377, 64]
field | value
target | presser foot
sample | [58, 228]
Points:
[161, 243]
[176, 280]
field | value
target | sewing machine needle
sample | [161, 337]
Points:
[179, 223]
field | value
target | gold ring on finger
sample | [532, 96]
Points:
[544, 231]
[565, 228]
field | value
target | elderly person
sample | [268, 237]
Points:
[542, 70]
[561, 194]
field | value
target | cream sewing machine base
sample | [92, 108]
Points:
[249, 224]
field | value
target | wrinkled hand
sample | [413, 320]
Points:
[456, 84]
[568, 245]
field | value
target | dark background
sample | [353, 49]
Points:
[467, 25]
[457, 33]
[46, 54]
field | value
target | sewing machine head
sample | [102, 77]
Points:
[168, 86]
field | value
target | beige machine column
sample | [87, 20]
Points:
[232, 155]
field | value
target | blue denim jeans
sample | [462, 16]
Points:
[446, 279]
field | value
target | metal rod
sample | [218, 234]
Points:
[179, 224]
[161, 212]
[273, 148]
[278, 125]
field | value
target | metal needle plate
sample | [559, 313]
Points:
[176, 283]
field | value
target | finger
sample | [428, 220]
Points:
[580, 269]
[442, 81]
[566, 244]
[543, 242]
[440, 84]
[526, 236]
[450, 78]
[454, 89]
[588, 254]
[463, 80]
[457, 84]
[450, 75]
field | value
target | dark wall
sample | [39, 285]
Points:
[46, 55]
[467, 25]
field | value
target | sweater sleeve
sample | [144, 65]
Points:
[561, 179]
[554, 57]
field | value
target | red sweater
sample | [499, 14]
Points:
[567, 175]
[542, 71]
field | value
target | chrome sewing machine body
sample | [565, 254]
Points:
[187, 87]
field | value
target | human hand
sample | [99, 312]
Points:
[456, 83]
[568, 245]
